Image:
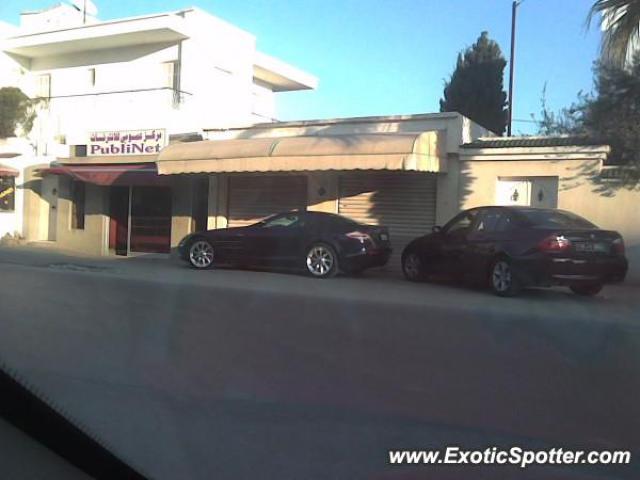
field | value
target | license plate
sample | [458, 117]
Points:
[384, 237]
[591, 247]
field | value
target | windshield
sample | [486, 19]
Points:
[556, 219]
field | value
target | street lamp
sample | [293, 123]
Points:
[514, 7]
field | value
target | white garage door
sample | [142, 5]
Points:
[252, 198]
[403, 202]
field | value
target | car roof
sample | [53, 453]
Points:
[308, 213]
[517, 208]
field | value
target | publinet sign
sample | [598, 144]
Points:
[129, 142]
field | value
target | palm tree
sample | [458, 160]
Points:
[620, 22]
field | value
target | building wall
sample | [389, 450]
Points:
[75, 109]
[605, 204]
[11, 72]
[182, 208]
[32, 204]
[132, 88]
[93, 239]
[20, 157]
[218, 70]
[447, 203]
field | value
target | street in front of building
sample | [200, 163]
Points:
[128, 141]
[249, 373]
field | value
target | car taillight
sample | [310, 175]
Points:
[618, 246]
[555, 243]
[361, 236]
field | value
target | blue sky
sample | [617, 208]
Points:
[382, 57]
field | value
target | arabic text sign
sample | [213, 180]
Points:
[129, 142]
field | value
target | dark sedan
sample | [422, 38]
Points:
[509, 248]
[320, 244]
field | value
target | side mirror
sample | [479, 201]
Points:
[436, 229]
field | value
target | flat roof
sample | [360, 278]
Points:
[144, 29]
[163, 27]
[337, 120]
[280, 76]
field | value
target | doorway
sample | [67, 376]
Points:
[150, 220]
[140, 220]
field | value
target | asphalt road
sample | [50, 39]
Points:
[241, 374]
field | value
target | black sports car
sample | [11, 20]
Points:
[514, 247]
[319, 243]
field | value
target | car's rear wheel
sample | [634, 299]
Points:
[321, 261]
[412, 267]
[502, 278]
[587, 290]
[201, 254]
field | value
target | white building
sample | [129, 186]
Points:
[171, 73]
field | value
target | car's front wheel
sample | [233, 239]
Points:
[502, 278]
[586, 290]
[201, 254]
[321, 261]
[412, 267]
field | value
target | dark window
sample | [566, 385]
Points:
[556, 219]
[505, 223]
[487, 221]
[461, 224]
[78, 195]
[286, 220]
[80, 150]
[7, 194]
[494, 221]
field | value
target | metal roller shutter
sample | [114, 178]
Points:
[403, 202]
[252, 198]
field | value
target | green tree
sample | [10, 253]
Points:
[620, 22]
[476, 87]
[567, 121]
[16, 110]
[610, 114]
[613, 113]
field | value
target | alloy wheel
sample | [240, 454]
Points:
[320, 261]
[201, 254]
[412, 267]
[501, 277]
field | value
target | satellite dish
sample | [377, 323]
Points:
[86, 6]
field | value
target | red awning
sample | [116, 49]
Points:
[122, 174]
[6, 171]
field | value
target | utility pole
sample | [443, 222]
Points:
[514, 8]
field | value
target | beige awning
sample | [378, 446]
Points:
[418, 152]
